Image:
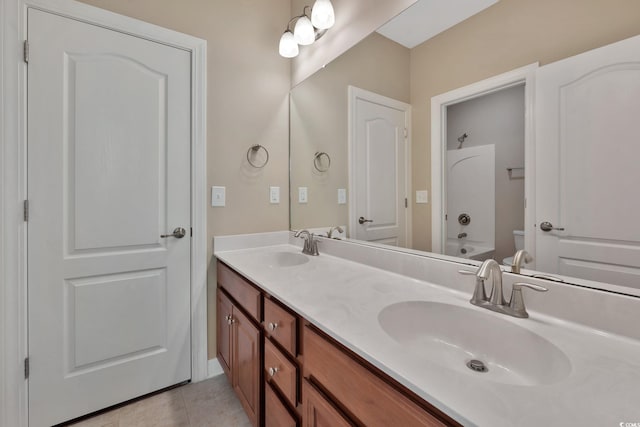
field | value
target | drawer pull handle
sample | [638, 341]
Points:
[273, 371]
[272, 326]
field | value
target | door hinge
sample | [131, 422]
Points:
[446, 217]
[26, 51]
[191, 231]
[406, 132]
[26, 368]
[406, 202]
[26, 210]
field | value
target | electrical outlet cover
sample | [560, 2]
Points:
[218, 196]
[274, 195]
[302, 194]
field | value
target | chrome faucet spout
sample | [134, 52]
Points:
[490, 268]
[332, 229]
[310, 243]
[518, 259]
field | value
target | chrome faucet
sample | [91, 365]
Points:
[496, 301]
[461, 235]
[310, 243]
[332, 229]
[490, 268]
[518, 259]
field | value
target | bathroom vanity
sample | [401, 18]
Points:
[371, 336]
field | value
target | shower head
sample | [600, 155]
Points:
[461, 139]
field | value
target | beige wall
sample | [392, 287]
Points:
[319, 122]
[247, 103]
[510, 34]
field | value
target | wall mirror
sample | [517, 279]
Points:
[378, 95]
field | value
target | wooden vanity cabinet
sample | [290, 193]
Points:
[288, 373]
[239, 339]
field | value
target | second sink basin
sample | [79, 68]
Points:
[453, 336]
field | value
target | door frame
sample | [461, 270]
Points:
[355, 93]
[13, 188]
[439, 106]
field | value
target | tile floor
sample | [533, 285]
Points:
[209, 403]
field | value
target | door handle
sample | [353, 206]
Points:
[361, 220]
[547, 226]
[178, 233]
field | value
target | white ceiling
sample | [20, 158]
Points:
[427, 18]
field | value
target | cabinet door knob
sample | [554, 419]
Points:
[231, 320]
[272, 326]
[273, 371]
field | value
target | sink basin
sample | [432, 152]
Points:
[453, 336]
[285, 259]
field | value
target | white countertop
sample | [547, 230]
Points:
[344, 298]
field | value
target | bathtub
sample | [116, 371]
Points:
[468, 250]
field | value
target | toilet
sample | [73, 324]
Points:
[518, 238]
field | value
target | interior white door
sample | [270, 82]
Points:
[380, 169]
[108, 173]
[587, 174]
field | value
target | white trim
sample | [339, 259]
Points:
[355, 93]
[13, 300]
[439, 104]
[214, 368]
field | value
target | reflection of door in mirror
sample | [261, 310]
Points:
[378, 178]
[587, 165]
[485, 175]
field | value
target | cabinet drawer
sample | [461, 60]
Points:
[275, 413]
[280, 371]
[376, 402]
[242, 291]
[280, 325]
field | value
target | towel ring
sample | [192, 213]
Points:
[317, 161]
[252, 151]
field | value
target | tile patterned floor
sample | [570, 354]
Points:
[209, 403]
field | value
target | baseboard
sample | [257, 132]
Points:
[214, 368]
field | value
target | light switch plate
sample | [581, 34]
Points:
[342, 196]
[218, 196]
[302, 194]
[422, 196]
[274, 195]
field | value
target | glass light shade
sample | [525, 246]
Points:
[304, 33]
[288, 46]
[322, 15]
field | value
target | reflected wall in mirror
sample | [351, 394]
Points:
[505, 36]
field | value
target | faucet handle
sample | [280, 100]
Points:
[520, 285]
[516, 304]
[479, 294]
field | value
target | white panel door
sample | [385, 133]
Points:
[108, 173]
[587, 156]
[381, 166]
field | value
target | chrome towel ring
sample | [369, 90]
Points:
[321, 161]
[252, 153]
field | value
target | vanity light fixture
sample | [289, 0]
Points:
[307, 29]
